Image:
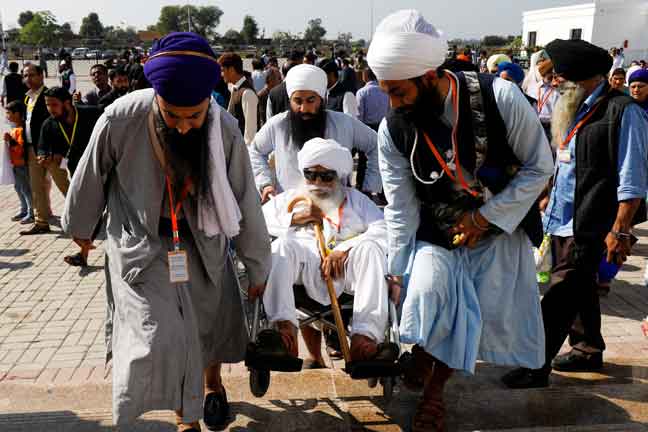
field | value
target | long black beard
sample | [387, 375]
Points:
[302, 130]
[187, 157]
[429, 104]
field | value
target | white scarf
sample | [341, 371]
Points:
[225, 216]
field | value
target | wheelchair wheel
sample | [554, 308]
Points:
[388, 387]
[259, 382]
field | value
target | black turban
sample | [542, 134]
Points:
[577, 60]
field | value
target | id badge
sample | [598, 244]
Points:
[178, 268]
[564, 155]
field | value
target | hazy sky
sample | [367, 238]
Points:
[458, 18]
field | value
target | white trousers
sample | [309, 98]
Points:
[297, 261]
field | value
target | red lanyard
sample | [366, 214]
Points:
[543, 101]
[340, 214]
[565, 143]
[175, 209]
[455, 148]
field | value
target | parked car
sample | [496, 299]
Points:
[48, 53]
[93, 54]
[108, 54]
[79, 53]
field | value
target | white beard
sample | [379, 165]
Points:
[328, 199]
[564, 113]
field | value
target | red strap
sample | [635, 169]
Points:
[543, 101]
[565, 143]
[340, 214]
[455, 147]
[174, 210]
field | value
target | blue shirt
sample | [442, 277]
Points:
[632, 167]
[373, 103]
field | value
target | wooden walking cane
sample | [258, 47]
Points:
[335, 306]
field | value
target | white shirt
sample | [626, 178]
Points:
[258, 80]
[349, 103]
[32, 97]
[249, 103]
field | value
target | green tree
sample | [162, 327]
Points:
[494, 41]
[91, 27]
[233, 36]
[40, 30]
[25, 17]
[204, 19]
[117, 36]
[65, 32]
[250, 30]
[314, 32]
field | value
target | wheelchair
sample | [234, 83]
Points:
[312, 313]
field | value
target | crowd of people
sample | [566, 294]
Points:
[187, 157]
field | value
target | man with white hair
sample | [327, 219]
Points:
[286, 133]
[354, 231]
[463, 159]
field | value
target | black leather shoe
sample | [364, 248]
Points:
[216, 411]
[578, 361]
[524, 378]
[37, 229]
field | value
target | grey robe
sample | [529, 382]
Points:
[162, 335]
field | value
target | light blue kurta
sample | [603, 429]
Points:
[466, 304]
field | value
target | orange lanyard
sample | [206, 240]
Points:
[543, 101]
[340, 214]
[174, 210]
[565, 143]
[455, 148]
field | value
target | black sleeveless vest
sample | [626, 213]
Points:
[235, 106]
[595, 199]
[15, 88]
[335, 100]
[498, 168]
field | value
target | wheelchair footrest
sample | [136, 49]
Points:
[256, 358]
[372, 369]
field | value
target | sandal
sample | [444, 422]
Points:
[76, 260]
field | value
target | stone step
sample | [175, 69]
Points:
[616, 399]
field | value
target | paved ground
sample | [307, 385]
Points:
[52, 374]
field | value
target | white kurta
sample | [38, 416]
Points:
[296, 260]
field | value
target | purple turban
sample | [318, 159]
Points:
[640, 75]
[182, 68]
[513, 70]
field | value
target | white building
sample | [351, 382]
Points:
[606, 23]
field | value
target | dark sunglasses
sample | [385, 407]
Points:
[325, 176]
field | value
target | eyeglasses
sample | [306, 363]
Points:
[325, 176]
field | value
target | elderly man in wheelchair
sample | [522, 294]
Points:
[355, 237]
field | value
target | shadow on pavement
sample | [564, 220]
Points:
[68, 421]
[13, 252]
[85, 271]
[292, 415]
[15, 266]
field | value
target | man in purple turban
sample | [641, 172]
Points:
[171, 171]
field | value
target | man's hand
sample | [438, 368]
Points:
[309, 215]
[618, 249]
[266, 193]
[544, 202]
[394, 285]
[333, 265]
[255, 292]
[466, 232]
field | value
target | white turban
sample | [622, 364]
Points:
[494, 61]
[327, 153]
[406, 46]
[631, 70]
[306, 77]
